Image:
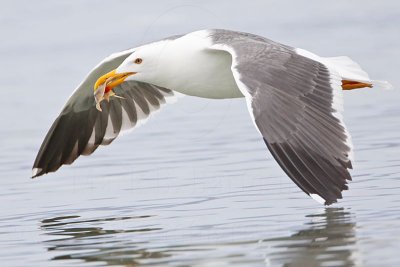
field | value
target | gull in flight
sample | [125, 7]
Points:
[294, 98]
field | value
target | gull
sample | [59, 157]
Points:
[294, 98]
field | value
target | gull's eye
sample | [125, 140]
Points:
[138, 60]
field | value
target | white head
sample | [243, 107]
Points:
[145, 63]
[168, 63]
[142, 65]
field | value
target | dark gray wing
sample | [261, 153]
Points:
[295, 103]
[81, 128]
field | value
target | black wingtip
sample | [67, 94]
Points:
[330, 202]
[325, 202]
[36, 172]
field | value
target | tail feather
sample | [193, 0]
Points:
[347, 68]
[352, 71]
[382, 84]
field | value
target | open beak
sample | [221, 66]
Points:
[104, 85]
[112, 79]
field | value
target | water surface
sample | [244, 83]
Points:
[195, 186]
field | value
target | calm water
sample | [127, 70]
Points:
[195, 186]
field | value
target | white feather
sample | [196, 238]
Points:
[347, 68]
[318, 198]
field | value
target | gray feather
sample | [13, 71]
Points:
[292, 103]
[69, 136]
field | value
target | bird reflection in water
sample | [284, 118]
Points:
[96, 244]
[328, 240]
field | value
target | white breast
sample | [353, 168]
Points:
[190, 67]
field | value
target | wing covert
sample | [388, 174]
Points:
[295, 103]
[80, 128]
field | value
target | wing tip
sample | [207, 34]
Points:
[318, 198]
[36, 172]
[323, 201]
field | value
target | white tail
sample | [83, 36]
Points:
[350, 70]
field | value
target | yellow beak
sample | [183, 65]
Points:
[112, 79]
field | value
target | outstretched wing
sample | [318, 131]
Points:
[81, 128]
[295, 103]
